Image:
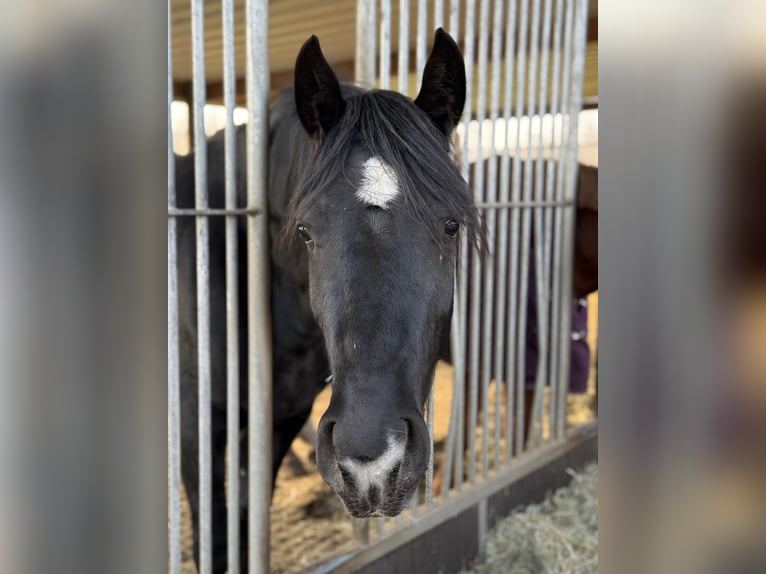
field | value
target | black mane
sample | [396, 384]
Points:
[390, 126]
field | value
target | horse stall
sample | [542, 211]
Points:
[498, 415]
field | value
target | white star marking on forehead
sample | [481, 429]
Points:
[379, 186]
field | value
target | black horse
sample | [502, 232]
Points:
[365, 209]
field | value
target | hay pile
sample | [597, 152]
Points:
[560, 535]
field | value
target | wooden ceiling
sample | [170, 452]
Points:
[291, 22]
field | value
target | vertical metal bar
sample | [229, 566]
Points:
[232, 292]
[541, 276]
[385, 44]
[438, 14]
[364, 60]
[473, 394]
[552, 172]
[421, 41]
[404, 46]
[258, 287]
[561, 378]
[458, 382]
[489, 285]
[517, 309]
[454, 18]
[430, 468]
[574, 106]
[174, 385]
[483, 268]
[203, 290]
[507, 326]
[527, 195]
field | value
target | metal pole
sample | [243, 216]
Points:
[574, 106]
[527, 215]
[454, 18]
[483, 299]
[502, 254]
[420, 44]
[541, 274]
[473, 394]
[552, 173]
[203, 290]
[258, 287]
[490, 286]
[561, 377]
[364, 60]
[404, 46]
[174, 385]
[385, 44]
[438, 14]
[516, 307]
[232, 292]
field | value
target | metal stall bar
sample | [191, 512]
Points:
[174, 384]
[258, 287]
[541, 276]
[560, 377]
[515, 348]
[203, 290]
[364, 59]
[232, 291]
[465, 168]
[483, 267]
[385, 44]
[527, 214]
[404, 46]
[552, 172]
[438, 14]
[459, 339]
[454, 18]
[421, 41]
[506, 326]
[567, 231]
[489, 288]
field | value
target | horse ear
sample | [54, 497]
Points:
[442, 92]
[317, 91]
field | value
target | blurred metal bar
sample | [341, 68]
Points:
[541, 275]
[474, 365]
[517, 307]
[364, 61]
[430, 468]
[421, 42]
[213, 212]
[508, 324]
[573, 109]
[500, 205]
[203, 291]
[560, 344]
[438, 14]
[258, 287]
[174, 382]
[232, 291]
[526, 221]
[385, 44]
[490, 288]
[454, 18]
[552, 172]
[404, 47]
[481, 269]
[458, 364]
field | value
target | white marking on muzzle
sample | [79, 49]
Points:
[375, 473]
[379, 185]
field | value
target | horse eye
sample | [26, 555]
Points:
[303, 232]
[451, 227]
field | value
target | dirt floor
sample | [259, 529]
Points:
[308, 521]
